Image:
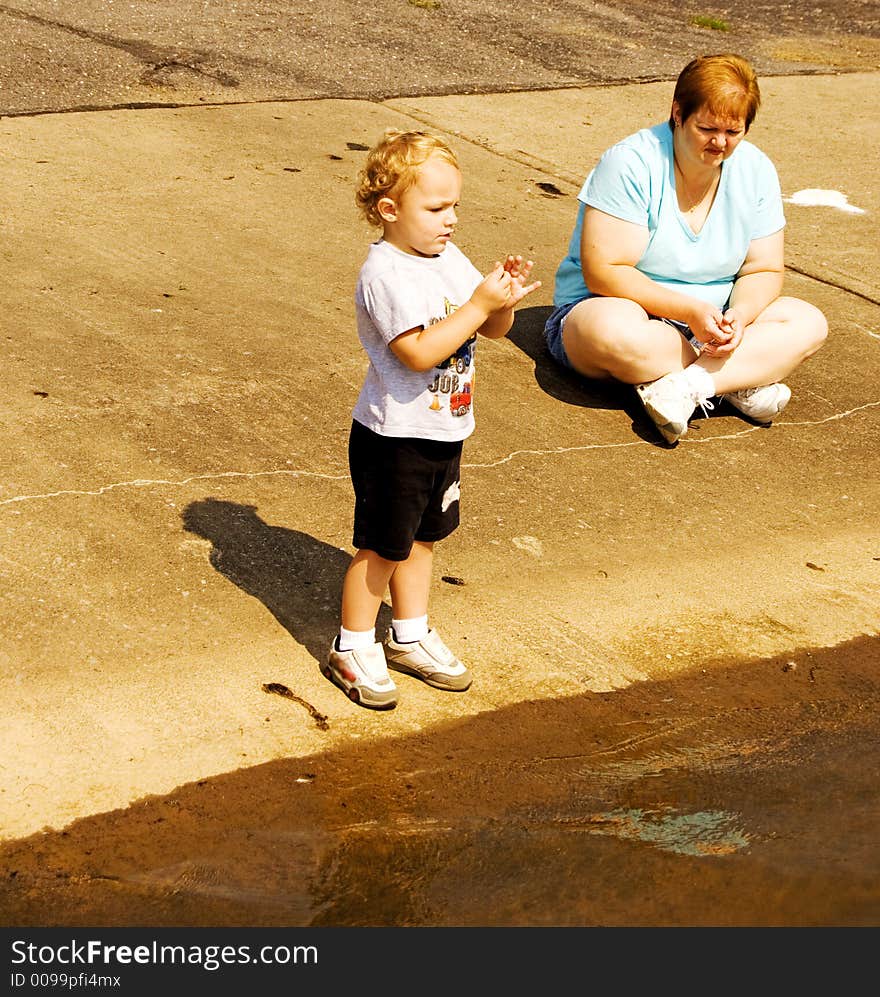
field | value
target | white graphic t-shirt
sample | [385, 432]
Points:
[396, 292]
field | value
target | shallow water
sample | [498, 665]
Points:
[746, 796]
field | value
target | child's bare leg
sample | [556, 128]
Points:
[356, 662]
[411, 582]
[413, 647]
[409, 587]
[363, 589]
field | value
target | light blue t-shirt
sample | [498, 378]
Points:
[635, 181]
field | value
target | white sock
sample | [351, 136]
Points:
[354, 640]
[409, 631]
[700, 380]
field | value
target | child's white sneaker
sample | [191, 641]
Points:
[362, 675]
[429, 660]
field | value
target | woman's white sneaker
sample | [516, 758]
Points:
[761, 403]
[670, 401]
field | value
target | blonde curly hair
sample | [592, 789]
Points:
[392, 166]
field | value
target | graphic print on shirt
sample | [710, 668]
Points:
[454, 376]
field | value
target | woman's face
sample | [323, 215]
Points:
[705, 137]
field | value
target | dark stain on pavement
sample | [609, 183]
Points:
[743, 795]
[280, 689]
[161, 59]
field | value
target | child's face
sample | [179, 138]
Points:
[421, 220]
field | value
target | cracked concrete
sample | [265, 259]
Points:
[180, 367]
[159, 482]
[216, 315]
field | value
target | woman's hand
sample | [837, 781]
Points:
[719, 334]
[707, 323]
[732, 327]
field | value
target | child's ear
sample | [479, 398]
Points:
[387, 209]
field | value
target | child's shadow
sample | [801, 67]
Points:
[296, 577]
[567, 386]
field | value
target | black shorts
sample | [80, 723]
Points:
[404, 490]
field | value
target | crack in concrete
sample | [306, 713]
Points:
[157, 57]
[686, 440]
[832, 283]
[870, 332]
[794, 425]
[157, 482]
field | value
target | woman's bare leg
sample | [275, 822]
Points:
[614, 338]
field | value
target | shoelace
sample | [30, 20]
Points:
[706, 404]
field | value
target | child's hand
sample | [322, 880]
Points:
[506, 285]
[519, 270]
[494, 291]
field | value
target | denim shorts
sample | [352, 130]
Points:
[553, 334]
[684, 329]
[556, 320]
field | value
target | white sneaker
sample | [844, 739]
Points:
[429, 660]
[761, 403]
[670, 401]
[362, 675]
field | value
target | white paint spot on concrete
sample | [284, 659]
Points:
[816, 197]
[531, 545]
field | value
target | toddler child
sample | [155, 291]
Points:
[420, 304]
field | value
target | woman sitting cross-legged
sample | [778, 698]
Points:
[674, 271]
